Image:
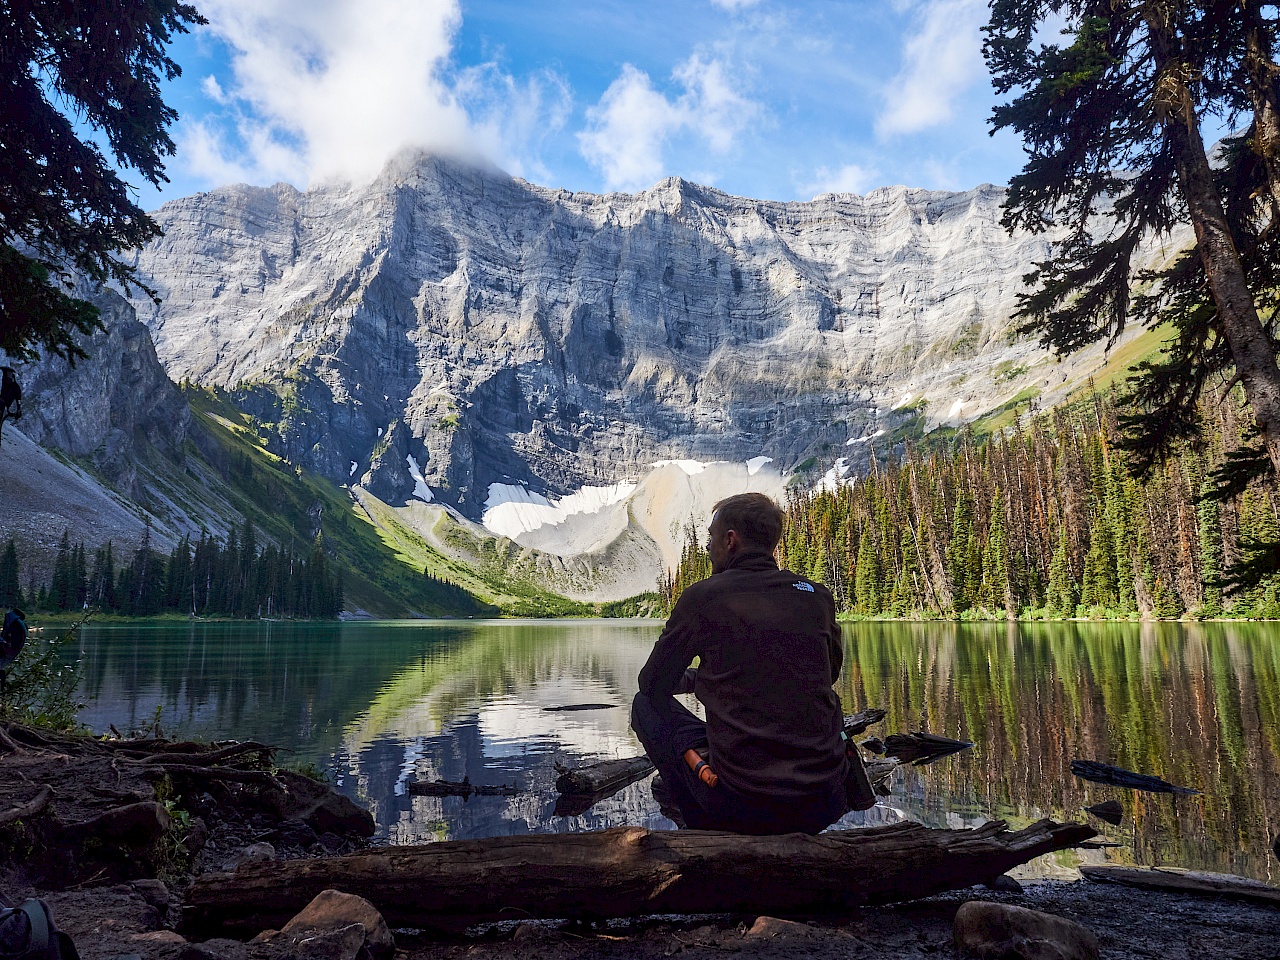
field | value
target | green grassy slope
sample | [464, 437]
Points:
[286, 503]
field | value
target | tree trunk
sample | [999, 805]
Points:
[1251, 348]
[1264, 91]
[626, 871]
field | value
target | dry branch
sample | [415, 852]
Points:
[627, 871]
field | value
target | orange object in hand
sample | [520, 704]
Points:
[700, 768]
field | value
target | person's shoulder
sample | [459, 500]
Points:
[805, 585]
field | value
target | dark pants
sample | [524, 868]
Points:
[667, 734]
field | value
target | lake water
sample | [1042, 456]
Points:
[377, 705]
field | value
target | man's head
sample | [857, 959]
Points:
[745, 522]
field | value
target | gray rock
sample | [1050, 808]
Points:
[996, 931]
[337, 925]
[495, 330]
[254, 853]
[154, 892]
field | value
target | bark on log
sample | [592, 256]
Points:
[608, 775]
[581, 788]
[626, 871]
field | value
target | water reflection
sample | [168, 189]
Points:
[378, 705]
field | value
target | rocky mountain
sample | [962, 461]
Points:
[449, 328]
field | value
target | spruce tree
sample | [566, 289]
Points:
[1210, 551]
[1061, 598]
[868, 576]
[10, 588]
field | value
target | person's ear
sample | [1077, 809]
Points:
[732, 542]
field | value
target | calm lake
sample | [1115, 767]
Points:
[377, 705]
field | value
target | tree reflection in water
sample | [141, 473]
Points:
[377, 704]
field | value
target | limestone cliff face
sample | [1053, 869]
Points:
[114, 407]
[492, 330]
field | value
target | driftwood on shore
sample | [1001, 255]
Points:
[1119, 777]
[583, 787]
[1177, 880]
[626, 871]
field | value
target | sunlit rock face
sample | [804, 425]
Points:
[488, 330]
[113, 407]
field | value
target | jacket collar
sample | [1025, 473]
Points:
[752, 560]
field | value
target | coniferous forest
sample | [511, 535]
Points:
[207, 577]
[1044, 521]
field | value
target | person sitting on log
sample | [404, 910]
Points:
[770, 758]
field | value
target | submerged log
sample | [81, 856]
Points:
[626, 871]
[921, 748]
[580, 706]
[583, 787]
[1119, 777]
[451, 788]
[857, 723]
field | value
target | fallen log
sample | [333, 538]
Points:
[626, 871]
[580, 706]
[1178, 880]
[583, 787]
[450, 788]
[1119, 777]
[857, 723]
[599, 777]
[1110, 811]
[921, 748]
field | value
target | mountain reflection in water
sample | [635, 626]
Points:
[379, 704]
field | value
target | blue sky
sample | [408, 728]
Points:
[762, 98]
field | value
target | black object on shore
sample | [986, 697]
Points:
[579, 706]
[921, 747]
[1111, 811]
[1119, 777]
[465, 789]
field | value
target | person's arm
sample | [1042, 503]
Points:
[835, 643]
[666, 671]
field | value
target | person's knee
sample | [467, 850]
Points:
[644, 718]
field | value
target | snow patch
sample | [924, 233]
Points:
[870, 436]
[353, 469]
[691, 467]
[955, 409]
[904, 401]
[834, 478]
[512, 509]
[380, 431]
[420, 488]
[755, 463]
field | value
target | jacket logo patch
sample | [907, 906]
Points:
[801, 585]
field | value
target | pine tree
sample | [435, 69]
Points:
[1061, 598]
[1210, 551]
[60, 587]
[10, 589]
[868, 577]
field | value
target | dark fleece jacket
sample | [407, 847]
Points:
[770, 652]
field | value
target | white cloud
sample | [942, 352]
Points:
[629, 128]
[327, 88]
[851, 178]
[942, 57]
[733, 6]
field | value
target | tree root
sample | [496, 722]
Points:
[35, 805]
